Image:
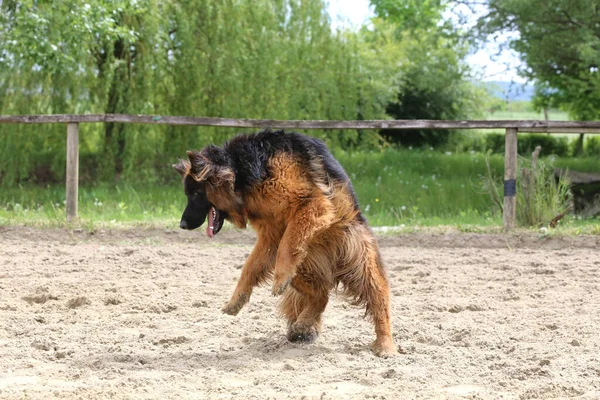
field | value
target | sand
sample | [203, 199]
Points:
[135, 314]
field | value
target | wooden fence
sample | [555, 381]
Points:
[512, 129]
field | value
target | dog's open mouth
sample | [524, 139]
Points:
[215, 222]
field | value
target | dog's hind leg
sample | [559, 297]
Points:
[377, 293]
[364, 278]
[257, 268]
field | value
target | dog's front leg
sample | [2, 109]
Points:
[256, 269]
[307, 221]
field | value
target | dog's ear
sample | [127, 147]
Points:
[197, 161]
[214, 165]
[183, 167]
[199, 165]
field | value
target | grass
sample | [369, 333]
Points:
[410, 188]
[540, 196]
[102, 204]
[582, 164]
[403, 186]
[393, 187]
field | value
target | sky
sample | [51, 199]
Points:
[487, 61]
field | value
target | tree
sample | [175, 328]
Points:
[433, 85]
[272, 59]
[544, 98]
[434, 79]
[411, 14]
[72, 56]
[559, 42]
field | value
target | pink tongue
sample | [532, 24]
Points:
[209, 228]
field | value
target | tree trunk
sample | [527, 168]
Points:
[579, 146]
[118, 98]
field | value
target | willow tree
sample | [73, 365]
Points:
[74, 57]
[274, 59]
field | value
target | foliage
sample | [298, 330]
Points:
[544, 97]
[592, 146]
[559, 42]
[588, 147]
[409, 184]
[272, 59]
[520, 107]
[434, 80]
[394, 187]
[436, 92]
[555, 145]
[494, 104]
[541, 195]
[581, 164]
[413, 14]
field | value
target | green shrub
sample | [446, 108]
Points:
[466, 141]
[541, 195]
[546, 197]
[592, 146]
[558, 146]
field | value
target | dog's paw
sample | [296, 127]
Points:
[384, 348]
[235, 305]
[300, 333]
[280, 284]
[231, 309]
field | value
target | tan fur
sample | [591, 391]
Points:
[310, 242]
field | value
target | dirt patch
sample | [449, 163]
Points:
[229, 236]
[132, 314]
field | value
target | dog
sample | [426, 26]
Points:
[311, 235]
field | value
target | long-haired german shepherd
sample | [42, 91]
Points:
[311, 236]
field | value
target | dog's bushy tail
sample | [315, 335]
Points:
[361, 271]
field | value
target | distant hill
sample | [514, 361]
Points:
[511, 91]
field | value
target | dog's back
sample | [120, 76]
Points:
[265, 156]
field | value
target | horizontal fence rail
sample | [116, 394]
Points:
[512, 128]
[521, 125]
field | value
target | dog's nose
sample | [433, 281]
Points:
[183, 224]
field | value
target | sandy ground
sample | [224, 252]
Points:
[136, 314]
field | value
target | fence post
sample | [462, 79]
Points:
[510, 179]
[72, 170]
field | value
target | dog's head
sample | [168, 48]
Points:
[208, 180]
